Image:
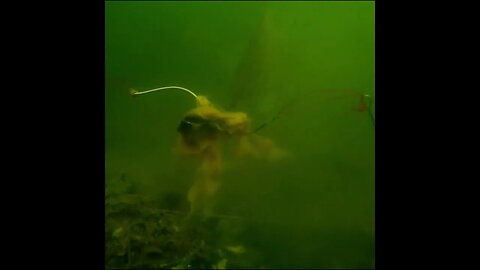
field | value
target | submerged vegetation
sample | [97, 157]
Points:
[141, 234]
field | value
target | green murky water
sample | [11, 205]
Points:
[314, 61]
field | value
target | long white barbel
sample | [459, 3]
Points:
[134, 92]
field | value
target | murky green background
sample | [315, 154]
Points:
[314, 209]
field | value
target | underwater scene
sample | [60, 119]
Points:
[239, 135]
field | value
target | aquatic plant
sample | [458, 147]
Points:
[139, 235]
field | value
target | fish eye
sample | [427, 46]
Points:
[185, 127]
